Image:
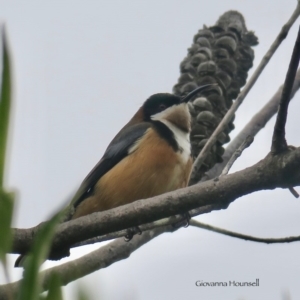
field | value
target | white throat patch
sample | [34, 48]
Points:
[183, 140]
[182, 137]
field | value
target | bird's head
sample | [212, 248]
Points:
[166, 107]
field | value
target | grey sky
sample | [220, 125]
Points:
[82, 68]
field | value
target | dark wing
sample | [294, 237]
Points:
[115, 152]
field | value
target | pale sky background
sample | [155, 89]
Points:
[81, 70]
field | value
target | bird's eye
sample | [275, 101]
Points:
[162, 107]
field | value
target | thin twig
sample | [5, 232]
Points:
[294, 192]
[289, 239]
[257, 123]
[279, 143]
[248, 141]
[229, 115]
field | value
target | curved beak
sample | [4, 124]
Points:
[195, 91]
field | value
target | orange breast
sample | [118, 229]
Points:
[152, 169]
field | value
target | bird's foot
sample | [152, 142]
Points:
[131, 232]
[185, 222]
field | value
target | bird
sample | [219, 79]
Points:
[150, 155]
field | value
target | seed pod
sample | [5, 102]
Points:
[201, 104]
[219, 54]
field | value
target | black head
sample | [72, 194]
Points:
[159, 102]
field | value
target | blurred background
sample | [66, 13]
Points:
[81, 70]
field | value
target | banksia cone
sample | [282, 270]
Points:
[220, 54]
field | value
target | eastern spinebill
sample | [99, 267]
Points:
[151, 155]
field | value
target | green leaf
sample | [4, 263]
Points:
[30, 286]
[6, 199]
[54, 292]
[6, 213]
[5, 104]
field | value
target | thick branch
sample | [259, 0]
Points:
[258, 122]
[119, 250]
[279, 143]
[289, 239]
[229, 115]
[273, 171]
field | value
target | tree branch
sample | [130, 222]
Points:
[248, 141]
[243, 236]
[273, 171]
[279, 143]
[176, 221]
[228, 117]
[119, 250]
[258, 122]
[294, 192]
[89, 263]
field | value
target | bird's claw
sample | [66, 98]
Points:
[187, 218]
[131, 232]
[184, 222]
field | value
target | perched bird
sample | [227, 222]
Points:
[150, 155]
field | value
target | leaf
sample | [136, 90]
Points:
[5, 104]
[54, 292]
[6, 199]
[6, 212]
[30, 286]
